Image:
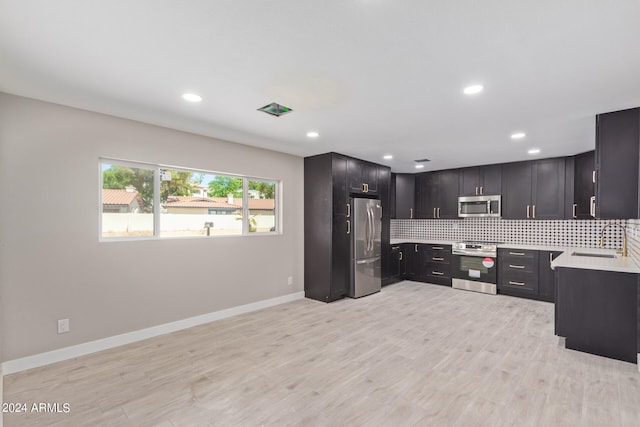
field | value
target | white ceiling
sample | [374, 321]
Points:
[371, 76]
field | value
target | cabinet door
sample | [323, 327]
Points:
[339, 184]
[370, 173]
[354, 176]
[490, 180]
[547, 191]
[584, 188]
[447, 186]
[340, 258]
[516, 190]
[412, 260]
[394, 261]
[426, 195]
[405, 196]
[617, 146]
[470, 181]
[546, 276]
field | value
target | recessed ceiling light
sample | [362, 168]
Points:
[534, 151]
[387, 157]
[419, 166]
[313, 134]
[473, 89]
[518, 135]
[191, 97]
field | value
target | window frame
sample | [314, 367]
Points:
[157, 182]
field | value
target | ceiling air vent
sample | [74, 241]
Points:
[275, 109]
[422, 160]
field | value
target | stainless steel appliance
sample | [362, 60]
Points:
[366, 235]
[479, 206]
[474, 266]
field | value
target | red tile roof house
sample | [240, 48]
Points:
[216, 205]
[121, 201]
[262, 211]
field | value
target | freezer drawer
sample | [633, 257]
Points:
[366, 277]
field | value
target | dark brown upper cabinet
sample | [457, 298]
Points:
[617, 150]
[362, 177]
[437, 194]
[534, 190]
[481, 180]
[403, 196]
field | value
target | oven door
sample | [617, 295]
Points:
[475, 268]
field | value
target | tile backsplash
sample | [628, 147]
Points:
[574, 233]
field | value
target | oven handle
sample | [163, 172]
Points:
[474, 254]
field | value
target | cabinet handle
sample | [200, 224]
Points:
[527, 211]
[400, 258]
[348, 227]
[435, 258]
[438, 212]
[476, 191]
[434, 212]
[534, 211]
[415, 247]
[517, 253]
[411, 213]
[395, 247]
[348, 210]
[592, 206]
[516, 283]
[437, 248]
[550, 257]
[593, 177]
[575, 205]
[437, 273]
[367, 187]
[516, 266]
[481, 191]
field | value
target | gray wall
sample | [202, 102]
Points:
[52, 265]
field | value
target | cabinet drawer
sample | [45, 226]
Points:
[438, 256]
[529, 259]
[518, 266]
[437, 269]
[522, 281]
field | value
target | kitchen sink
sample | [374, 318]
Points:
[590, 254]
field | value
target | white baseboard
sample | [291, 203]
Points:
[29, 362]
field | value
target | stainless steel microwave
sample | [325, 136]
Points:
[479, 206]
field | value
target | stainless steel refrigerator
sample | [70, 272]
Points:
[366, 236]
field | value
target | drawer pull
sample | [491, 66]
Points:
[437, 248]
[435, 258]
[516, 266]
[517, 253]
[516, 283]
[395, 247]
[437, 273]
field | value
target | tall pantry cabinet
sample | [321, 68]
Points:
[329, 180]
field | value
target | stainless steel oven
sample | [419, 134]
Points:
[475, 266]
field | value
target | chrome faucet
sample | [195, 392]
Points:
[624, 238]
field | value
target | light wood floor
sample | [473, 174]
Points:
[414, 354]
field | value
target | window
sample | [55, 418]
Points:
[191, 203]
[127, 200]
[262, 207]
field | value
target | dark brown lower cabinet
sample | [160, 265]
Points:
[527, 273]
[420, 262]
[597, 312]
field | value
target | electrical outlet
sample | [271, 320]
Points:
[290, 280]
[63, 326]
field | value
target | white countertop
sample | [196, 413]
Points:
[619, 264]
[427, 242]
